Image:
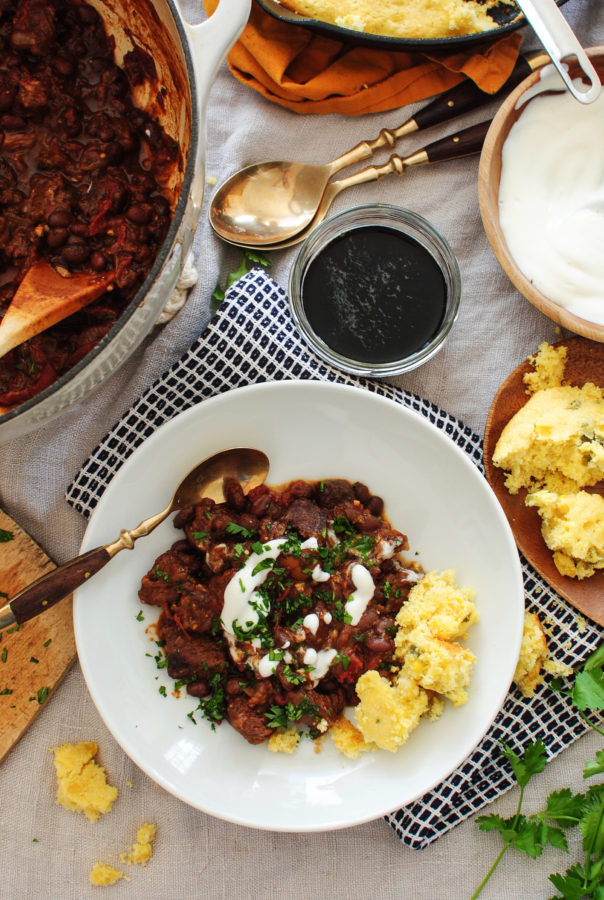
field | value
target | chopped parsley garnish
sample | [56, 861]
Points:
[5, 691]
[6, 536]
[42, 695]
[281, 716]
[162, 691]
[339, 612]
[4, 655]
[213, 707]
[160, 574]
[33, 659]
[199, 535]
[343, 659]
[234, 528]
[140, 617]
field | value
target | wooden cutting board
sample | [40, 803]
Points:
[34, 656]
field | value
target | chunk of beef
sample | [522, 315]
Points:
[306, 517]
[190, 654]
[335, 491]
[247, 721]
[34, 27]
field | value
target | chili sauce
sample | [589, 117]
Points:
[374, 295]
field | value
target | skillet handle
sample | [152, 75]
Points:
[39, 596]
[468, 95]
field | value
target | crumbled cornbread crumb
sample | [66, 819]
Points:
[548, 368]
[436, 601]
[348, 739]
[103, 874]
[284, 740]
[141, 851]
[81, 782]
[533, 653]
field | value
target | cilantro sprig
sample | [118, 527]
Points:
[564, 810]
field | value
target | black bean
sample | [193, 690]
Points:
[98, 261]
[59, 218]
[12, 123]
[80, 229]
[114, 152]
[161, 205]
[56, 237]
[140, 213]
[76, 254]
[375, 505]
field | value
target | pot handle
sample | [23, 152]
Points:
[209, 42]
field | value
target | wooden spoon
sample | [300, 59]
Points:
[44, 298]
[585, 362]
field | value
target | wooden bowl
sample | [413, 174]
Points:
[489, 175]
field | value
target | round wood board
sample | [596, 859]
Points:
[585, 362]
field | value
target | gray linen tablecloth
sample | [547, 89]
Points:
[195, 854]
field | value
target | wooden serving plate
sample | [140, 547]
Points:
[585, 362]
[34, 657]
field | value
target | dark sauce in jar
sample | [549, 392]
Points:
[374, 295]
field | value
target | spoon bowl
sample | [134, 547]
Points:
[207, 479]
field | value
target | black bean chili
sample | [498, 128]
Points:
[81, 175]
[328, 528]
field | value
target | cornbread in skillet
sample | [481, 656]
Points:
[533, 652]
[81, 782]
[573, 529]
[400, 18]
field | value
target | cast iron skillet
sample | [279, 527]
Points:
[505, 19]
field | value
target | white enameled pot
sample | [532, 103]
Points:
[186, 59]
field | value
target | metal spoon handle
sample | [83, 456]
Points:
[457, 100]
[560, 43]
[47, 590]
[454, 146]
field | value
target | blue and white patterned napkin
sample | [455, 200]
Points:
[253, 339]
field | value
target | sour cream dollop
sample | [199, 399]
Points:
[551, 199]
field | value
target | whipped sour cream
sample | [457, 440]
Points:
[551, 199]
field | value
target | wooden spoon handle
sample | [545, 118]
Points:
[52, 587]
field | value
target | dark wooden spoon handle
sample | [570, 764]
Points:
[462, 143]
[49, 589]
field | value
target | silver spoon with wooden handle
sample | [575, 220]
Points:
[250, 468]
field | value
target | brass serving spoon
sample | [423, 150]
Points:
[249, 467]
[270, 202]
[463, 143]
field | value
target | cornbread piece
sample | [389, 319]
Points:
[436, 601]
[348, 739]
[103, 874]
[141, 851]
[387, 714]
[572, 526]
[284, 740]
[82, 784]
[441, 666]
[400, 18]
[556, 441]
[533, 653]
[548, 368]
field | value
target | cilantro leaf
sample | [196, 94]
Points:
[532, 762]
[594, 767]
[6, 536]
[588, 690]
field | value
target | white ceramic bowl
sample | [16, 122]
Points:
[433, 492]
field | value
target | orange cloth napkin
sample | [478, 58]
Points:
[309, 73]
